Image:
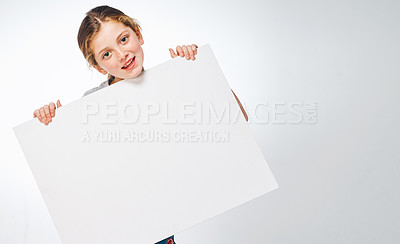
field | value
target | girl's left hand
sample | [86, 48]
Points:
[187, 51]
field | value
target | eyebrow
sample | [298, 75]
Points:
[122, 33]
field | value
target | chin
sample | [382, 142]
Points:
[135, 74]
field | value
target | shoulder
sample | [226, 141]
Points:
[101, 86]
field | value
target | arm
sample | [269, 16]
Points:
[241, 107]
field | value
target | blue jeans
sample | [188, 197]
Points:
[165, 240]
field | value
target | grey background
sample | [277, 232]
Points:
[338, 177]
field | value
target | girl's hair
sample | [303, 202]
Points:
[91, 25]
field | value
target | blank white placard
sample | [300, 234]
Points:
[146, 158]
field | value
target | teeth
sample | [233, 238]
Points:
[129, 63]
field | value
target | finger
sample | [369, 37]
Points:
[185, 50]
[180, 51]
[47, 112]
[52, 109]
[43, 115]
[58, 103]
[35, 113]
[194, 48]
[173, 54]
[190, 51]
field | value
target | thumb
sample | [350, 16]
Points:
[58, 104]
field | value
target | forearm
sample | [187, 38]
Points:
[241, 107]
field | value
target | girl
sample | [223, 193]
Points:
[111, 42]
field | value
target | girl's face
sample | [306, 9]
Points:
[118, 51]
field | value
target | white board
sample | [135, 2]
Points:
[146, 158]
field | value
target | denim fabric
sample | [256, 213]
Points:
[165, 240]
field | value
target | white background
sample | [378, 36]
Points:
[338, 177]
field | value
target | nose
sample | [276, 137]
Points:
[122, 54]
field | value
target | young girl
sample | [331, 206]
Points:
[111, 42]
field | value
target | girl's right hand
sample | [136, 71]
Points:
[45, 113]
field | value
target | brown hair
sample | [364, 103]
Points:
[91, 25]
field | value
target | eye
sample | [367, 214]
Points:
[124, 39]
[106, 55]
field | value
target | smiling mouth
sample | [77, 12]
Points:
[126, 66]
